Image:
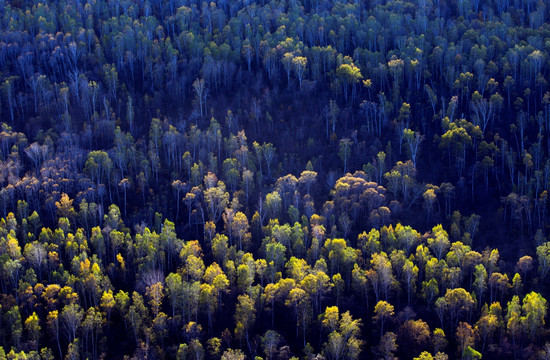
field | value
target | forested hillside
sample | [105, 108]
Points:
[274, 179]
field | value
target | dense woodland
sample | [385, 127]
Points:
[274, 179]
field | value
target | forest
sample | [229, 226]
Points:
[274, 179]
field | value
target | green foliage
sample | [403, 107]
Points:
[108, 125]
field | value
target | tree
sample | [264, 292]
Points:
[65, 207]
[413, 139]
[340, 255]
[331, 113]
[200, 93]
[7, 89]
[220, 248]
[543, 254]
[288, 60]
[248, 53]
[534, 311]
[155, 294]
[130, 114]
[248, 182]
[424, 356]
[36, 255]
[268, 152]
[407, 237]
[430, 197]
[299, 64]
[298, 299]
[381, 275]
[331, 318]
[99, 166]
[231, 171]
[536, 60]
[275, 257]
[194, 268]
[110, 76]
[396, 66]
[525, 265]
[276, 292]
[382, 311]
[465, 337]
[273, 204]
[137, 315]
[369, 243]
[343, 341]
[213, 345]
[244, 317]
[307, 178]
[316, 285]
[486, 325]
[174, 291]
[410, 275]
[196, 349]
[471, 353]
[430, 289]
[513, 319]
[458, 301]
[71, 318]
[414, 335]
[439, 340]
[345, 152]
[124, 184]
[457, 140]
[498, 283]
[231, 354]
[484, 110]
[73, 350]
[92, 326]
[480, 282]
[108, 303]
[32, 326]
[208, 300]
[217, 199]
[348, 74]
[54, 328]
[240, 228]
[387, 346]
[270, 341]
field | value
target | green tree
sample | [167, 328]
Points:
[430, 289]
[343, 340]
[273, 204]
[534, 311]
[486, 326]
[245, 316]
[299, 301]
[480, 282]
[240, 228]
[216, 198]
[348, 75]
[543, 254]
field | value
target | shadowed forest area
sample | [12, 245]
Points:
[274, 180]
